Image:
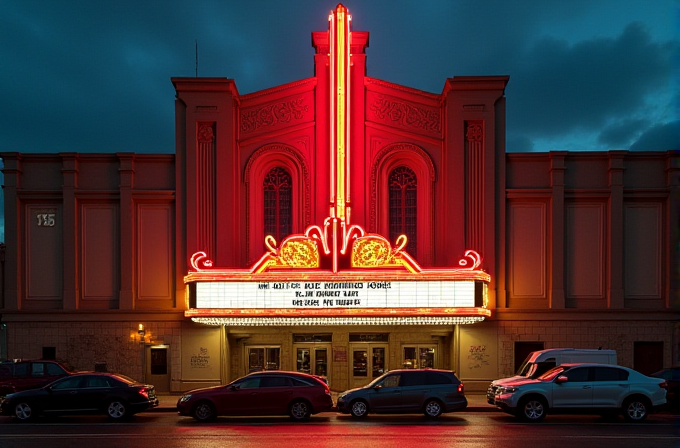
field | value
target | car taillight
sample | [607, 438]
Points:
[327, 389]
[144, 392]
[461, 389]
[663, 385]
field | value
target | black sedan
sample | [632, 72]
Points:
[84, 393]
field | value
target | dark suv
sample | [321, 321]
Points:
[16, 376]
[429, 391]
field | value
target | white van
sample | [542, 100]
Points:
[537, 363]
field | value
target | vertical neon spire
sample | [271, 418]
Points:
[339, 92]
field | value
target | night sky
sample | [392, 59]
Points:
[94, 76]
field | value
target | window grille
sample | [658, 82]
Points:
[278, 214]
[403, 207]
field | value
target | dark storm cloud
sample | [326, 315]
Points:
[591, 84]
[95, 76]
[619, 134]
[663, 137]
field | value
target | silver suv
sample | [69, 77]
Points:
[585, 389]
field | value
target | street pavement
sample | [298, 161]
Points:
[476, 403]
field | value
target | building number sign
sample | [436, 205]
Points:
[46, 219]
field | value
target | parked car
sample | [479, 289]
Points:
[16, 376]
[585, 389]
[82, 393]
[271, 392]
[429, 391]
[539, 362]
[672, 377]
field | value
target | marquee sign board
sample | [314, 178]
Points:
[334, 294]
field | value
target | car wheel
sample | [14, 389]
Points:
[300, 410]
[358, 409]
[204, 411]
[432, 409]
[532, 409]
[24, 412]
[116, 409]
[635, 409]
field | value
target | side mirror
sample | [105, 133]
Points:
[233, 387]
[377, 387]
[561, 379]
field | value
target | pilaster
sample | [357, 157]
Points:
[557, 169]
[615, 296]
[673, 231]
[70, 223]
[126, 172]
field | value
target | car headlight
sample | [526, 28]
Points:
[506, 390]
[185, 398]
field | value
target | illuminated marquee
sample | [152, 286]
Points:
[337, 273]
[345, 294]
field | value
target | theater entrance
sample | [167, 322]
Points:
[312, 354]
[312, 358]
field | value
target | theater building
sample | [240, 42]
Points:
[340, 225]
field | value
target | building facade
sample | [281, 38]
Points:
[109, 256]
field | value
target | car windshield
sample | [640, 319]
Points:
[377, 380]
[525, 367]
[552, 373]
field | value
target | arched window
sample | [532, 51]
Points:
[278, 214]
[403, 206]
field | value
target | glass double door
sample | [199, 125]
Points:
[312, 359]
[418, 356]
[367, 362]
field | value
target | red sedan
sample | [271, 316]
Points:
[273, 392]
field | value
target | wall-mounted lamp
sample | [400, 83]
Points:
[141, 331]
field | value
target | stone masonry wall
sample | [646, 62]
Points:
[84, 344]
[616, 335]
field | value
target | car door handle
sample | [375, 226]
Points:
[587, 387]
[73, 392]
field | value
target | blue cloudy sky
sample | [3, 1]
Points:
[94, 75]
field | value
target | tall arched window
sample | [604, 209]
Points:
[403, 206]
[278, 214]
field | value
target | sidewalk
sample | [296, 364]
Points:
[476, 403]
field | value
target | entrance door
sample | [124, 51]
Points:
[312, 359]
[157, 367]
[419, 356]
[647, 356]
[368, 362]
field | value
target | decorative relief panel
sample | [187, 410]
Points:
[474, 197]
[205, 138]
[100, 262]
[527, 255]
[43, 256]
[154, 249]
[275, 114]
[643, 251]
[584, 251]
[394, 112]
